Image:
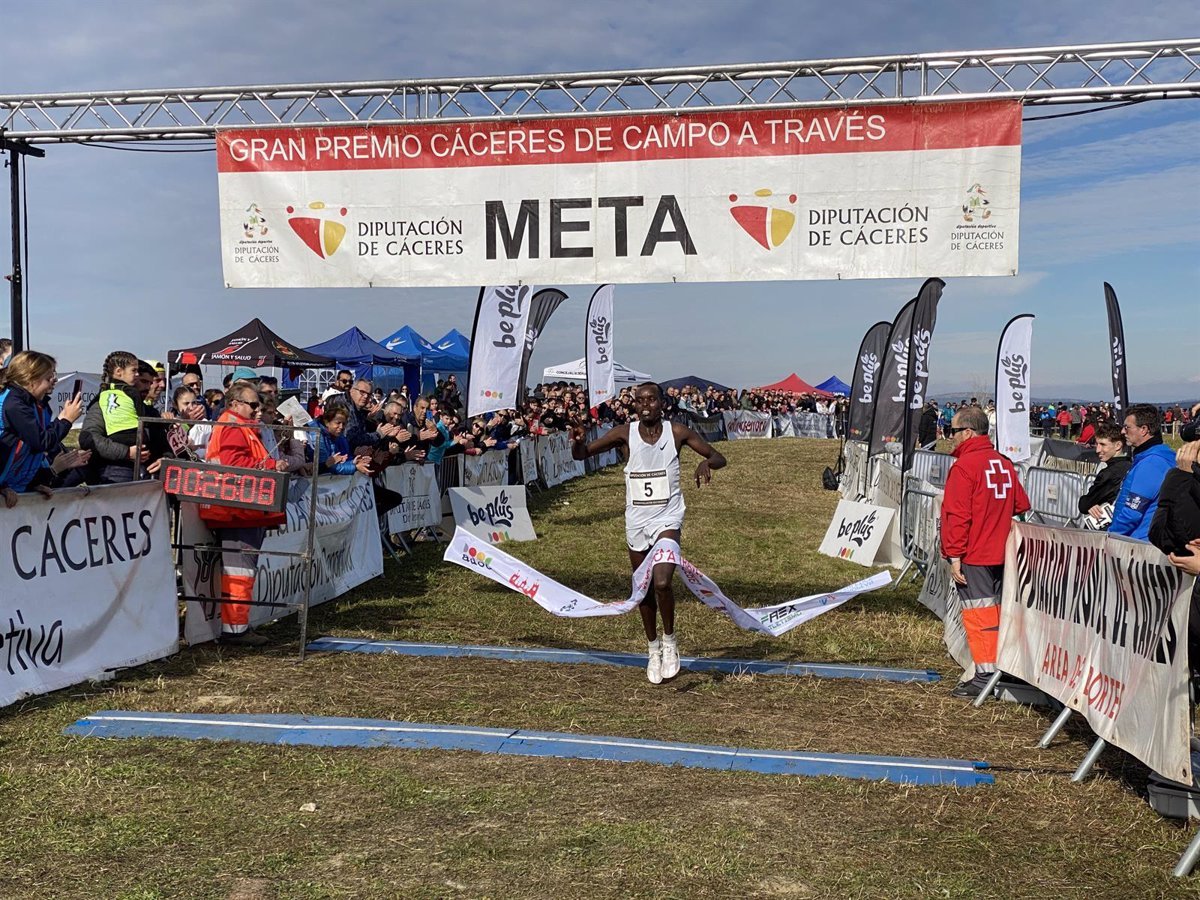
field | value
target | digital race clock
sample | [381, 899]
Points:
[197, 482]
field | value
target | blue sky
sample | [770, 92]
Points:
[124, 246]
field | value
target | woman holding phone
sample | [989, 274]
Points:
[31, 448]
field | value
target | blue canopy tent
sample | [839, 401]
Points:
[834, 385]
[356, 350]
[408, 342]
[455, 343]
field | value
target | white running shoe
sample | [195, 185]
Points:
[670, 657]
[654, 664]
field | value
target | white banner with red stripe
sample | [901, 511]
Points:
[737, 195]
[490, 561]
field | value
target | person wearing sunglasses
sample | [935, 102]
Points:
[982, 495]
[240, 531]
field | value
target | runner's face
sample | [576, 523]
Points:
[648, 404]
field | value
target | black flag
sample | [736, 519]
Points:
[542, 307]
[1116, 344]
[887, 420]
[917, 377]
[864, 390]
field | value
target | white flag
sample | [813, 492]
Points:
[599, 349]
[497, 345]
[1012, 389]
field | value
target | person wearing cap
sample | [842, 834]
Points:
[234, 442]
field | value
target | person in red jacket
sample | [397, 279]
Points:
[982, 496]
[240, 531]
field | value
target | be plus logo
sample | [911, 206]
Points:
[999, 479]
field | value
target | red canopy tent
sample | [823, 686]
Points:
[794, 384]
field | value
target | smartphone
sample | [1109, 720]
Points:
[77, 387]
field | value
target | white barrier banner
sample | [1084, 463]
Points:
[784, 427]
[940, 596]
[493, 514]
[488, 468]
[471, 553]
[742, 423]
[854, 473]
[89, 587]
[1100, 623]
[857, 532]
[528, 451]
[555, 460]
[421, 506]
[811, 425]
[887, 488]
[608, 457]
[348, 552]
[881, 192]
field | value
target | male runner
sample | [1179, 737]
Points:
[653, 506]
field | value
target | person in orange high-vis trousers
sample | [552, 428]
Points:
[240, 531]
[982, 495]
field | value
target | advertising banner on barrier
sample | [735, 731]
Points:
[494, 514]
[347, 546]
[528, 452]
[555, 461]
[89, 587]
[488, 468]
[421, 506]
[854, 475]
[1100, 623]
[711, 428]
[857, 532]
[812, 425]
[731, 195]
[784, 426]
[886, 490]
[741, 424]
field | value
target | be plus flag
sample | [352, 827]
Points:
[1116, 344]
[1012, 388]
[498, 348]
[598, 350]
[731, 195]
[865, 388]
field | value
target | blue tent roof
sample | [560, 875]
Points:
[353, 347]
[455, 343]
[834, 385]
[408, 342]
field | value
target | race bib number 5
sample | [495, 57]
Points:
[649, 488]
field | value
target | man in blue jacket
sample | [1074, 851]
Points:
[1152, 460]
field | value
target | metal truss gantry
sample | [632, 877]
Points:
[1095, 73]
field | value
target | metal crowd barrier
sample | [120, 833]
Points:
[920, 524]
[1054, 495]
[932, 467]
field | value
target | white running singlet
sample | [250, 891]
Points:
[653, 500]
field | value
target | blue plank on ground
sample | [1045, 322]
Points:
[611, 658]
[328, 731]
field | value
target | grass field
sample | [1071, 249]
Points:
[164, 818]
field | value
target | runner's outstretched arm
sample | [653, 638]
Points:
[712, 457]
[581, 449]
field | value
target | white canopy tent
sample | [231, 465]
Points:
[575, 371]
